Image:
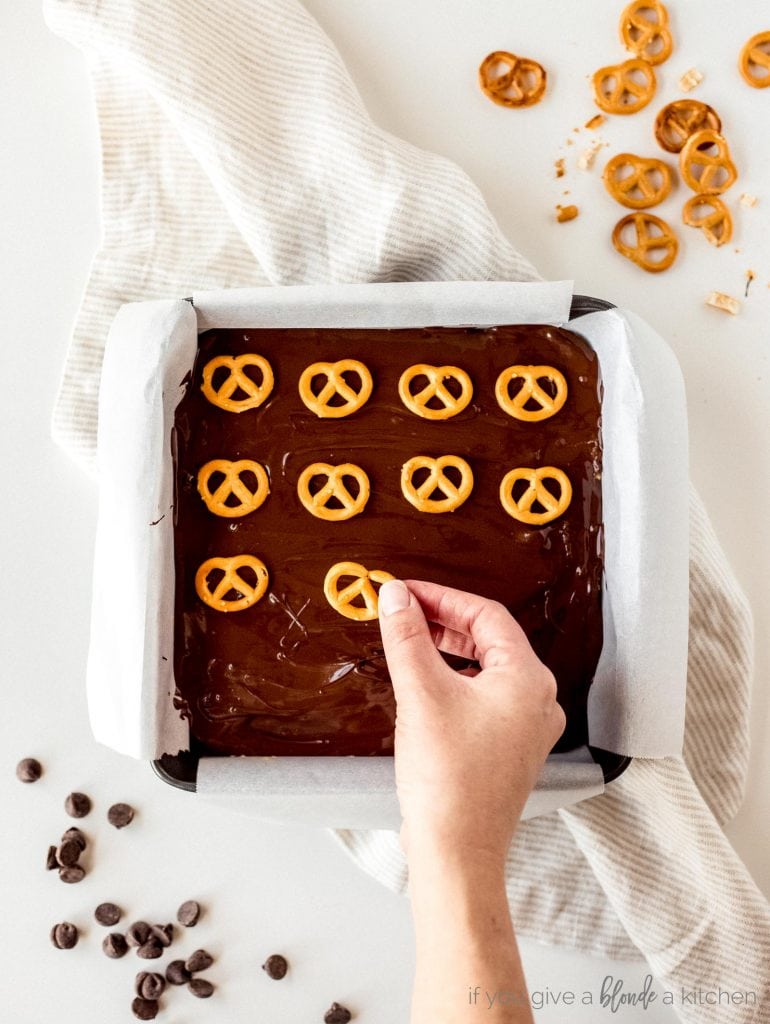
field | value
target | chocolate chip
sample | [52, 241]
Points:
[138, 933]
[29, 770]
[72, 874]
[275, 966]
[201, 988]
[108, 914]
[120, 815]
[75, 835]
[149, 985]
[150, 950]
[200, 960]
[50, 861]
[189, 913]
[115, 946]
[177, 973]
[337, 1014]
[145, 1009]
[77, 805]
[164, 933]
[64, 935]
[68, 853]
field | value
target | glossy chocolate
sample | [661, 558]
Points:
[292, 676]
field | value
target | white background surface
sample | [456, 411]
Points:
[269, 888]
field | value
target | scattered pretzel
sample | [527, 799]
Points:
[420, 496]
[677, 121]
[512, 81]
[362, 586]
[648, 38]
[531, 391]
[647, 185]
[222, 396]
[716, 225]
[617, 91]
[232, 484]
[707, 150]
[248, 593]
[755, 57]
[335, 385]
[435, 388]
[521, 508]
[335, 487]
[646, 241]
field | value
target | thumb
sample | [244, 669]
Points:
[409, 649]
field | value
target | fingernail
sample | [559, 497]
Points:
[394, 597]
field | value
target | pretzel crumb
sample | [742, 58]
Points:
[724, 302]
[690, 79]
[747, 199]
[587, 157]
[560, 168]
[593, 123]
[565, 213]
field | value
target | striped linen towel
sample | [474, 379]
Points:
[216, 174]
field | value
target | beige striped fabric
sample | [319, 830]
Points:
[214, 173]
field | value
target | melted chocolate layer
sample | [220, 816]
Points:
[292, 676]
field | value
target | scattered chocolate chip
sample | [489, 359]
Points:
[72, 874]
[164, 933]
[337, 1014]
[108, 914]
[150, 950]
[201, 988]
[189, 913]
[275, 966]
[138, 933]
[177, 973]
[120, 815]
[50, 861]
[149, 985]
[68, 853]
[145, 1009]
[29, 770]
[64, 935]
[77, 805]
[74, 834]
[115, 946]
[200, 960]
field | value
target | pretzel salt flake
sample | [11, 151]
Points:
[754, 61]
[617, 89]
[335, 487]
[361, 586]
[232, 580]
[651, 234]
[716, 222]
[536, 492]
[232, 485]
[235, 380]
[335, 385]
[435, 388]
[647, 184]
[512, 81]
[677, 121]
[706, 164]
[453, 494]
[531, 391]
[644, 30]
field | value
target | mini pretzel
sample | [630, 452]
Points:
[716, 225]
[616, 91]
[435, 388]
[335, 385]
[647, 185]
[248, 593]
[512, 81]
[648, 38]
[707, 150]
[536, 491]
[362, 586]
[755, 56]
[677, 121]
[531, 391]
[646, 241]
[222, 396]
[420, 496]
[232, 484]
[335, 487]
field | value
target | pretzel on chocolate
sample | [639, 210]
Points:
[754, 61]
[362, 586]
[648, 37]
[435, 389]
[232, 486]
[706, 164]
[335, 488]
[512, 81]
[618, 90]
[647, 184]
[420, 495]
[651, 234]
[536, 492]
[531, 391]
[715, 223]
[255, 394]
[677, 121]
[231, 581]
[335, 386]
